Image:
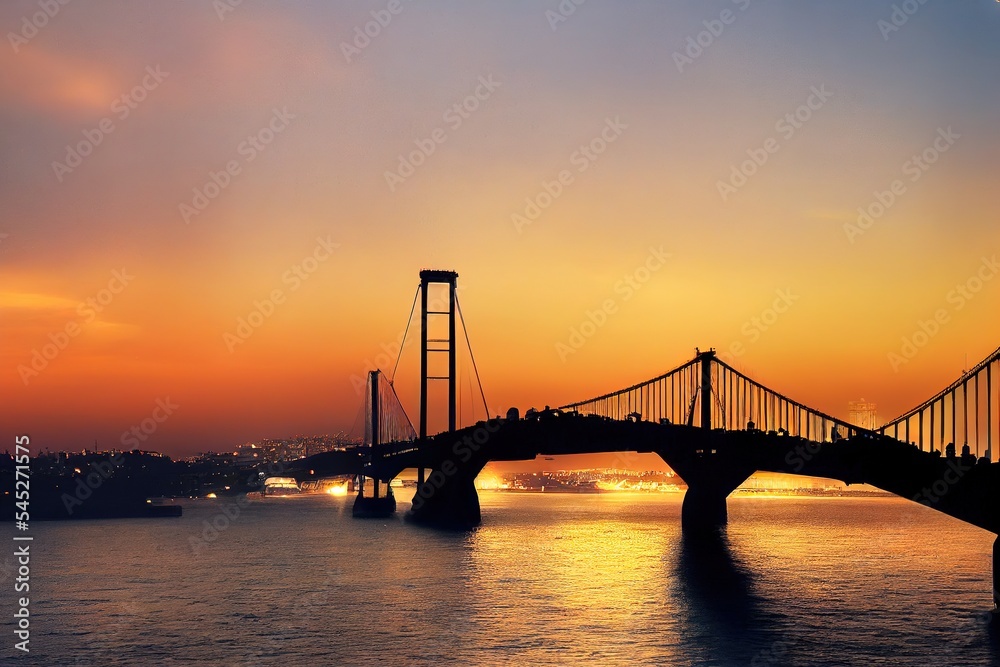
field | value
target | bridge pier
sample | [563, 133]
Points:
[704, 508]
[373, 507]
[446, 502]
[710, 478]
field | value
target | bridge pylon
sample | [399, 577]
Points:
[430, 346]
[706, 359]
[374, 506]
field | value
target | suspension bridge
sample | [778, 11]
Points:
[712, 424]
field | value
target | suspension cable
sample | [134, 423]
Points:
[361, 413]
[994, 356]
[472, 356]
[410, 431]
[402, 344]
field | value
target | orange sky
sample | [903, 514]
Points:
[308, 212]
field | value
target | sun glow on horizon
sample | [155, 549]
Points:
[629, 260]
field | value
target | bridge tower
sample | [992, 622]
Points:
[447, 497]
[440, 346]
[706, 388]
[709, 476]
[374, 506]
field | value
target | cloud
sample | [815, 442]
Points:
[36, 314]
[242, 61]
[35, 301]
[46, 81]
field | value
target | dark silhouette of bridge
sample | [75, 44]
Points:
[712, 424]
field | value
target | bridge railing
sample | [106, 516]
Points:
[737, 402]
[666, 396]
[962, 413]
[743, 400]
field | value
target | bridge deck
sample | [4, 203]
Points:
[963, 488]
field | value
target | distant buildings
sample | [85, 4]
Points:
[271, 450]
[582, 481]
[864, 414]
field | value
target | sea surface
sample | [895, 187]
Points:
[547, 580]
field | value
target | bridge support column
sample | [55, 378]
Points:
[429, 346]
[710, 476]
[446, 502]
[373, 507]
[704, 508]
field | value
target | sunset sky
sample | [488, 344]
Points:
[177, 163]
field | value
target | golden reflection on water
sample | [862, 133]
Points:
[606, 574]
[548, 579]
[592, 568]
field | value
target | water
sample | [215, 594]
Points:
[547, 580]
